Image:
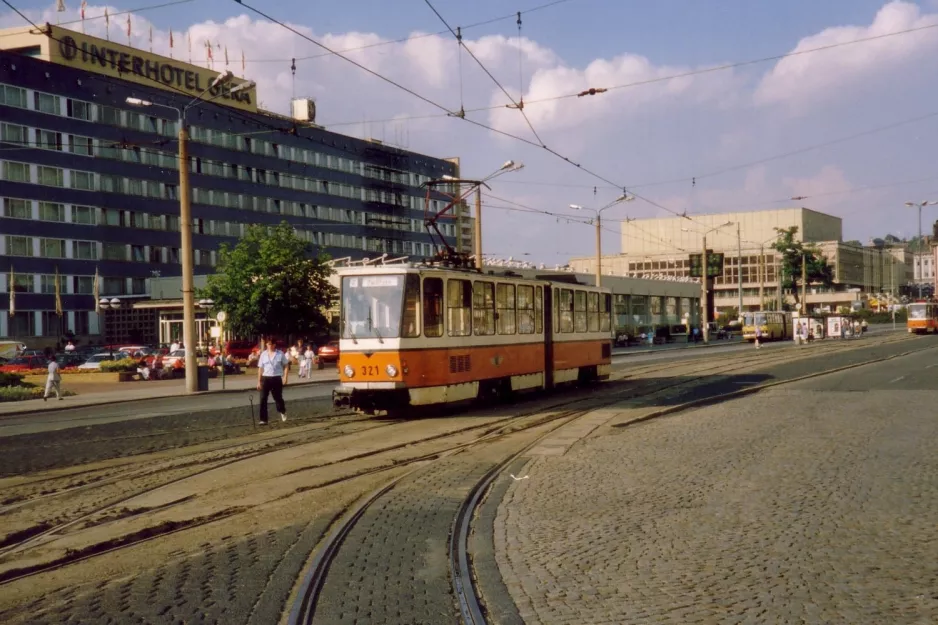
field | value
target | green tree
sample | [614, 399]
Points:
[818, 271]
[272, 282]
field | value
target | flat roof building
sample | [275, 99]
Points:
[89, 181]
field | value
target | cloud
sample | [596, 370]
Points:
[801, 82]
[665, 129]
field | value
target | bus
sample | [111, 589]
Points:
[923, 317]
[776, 326]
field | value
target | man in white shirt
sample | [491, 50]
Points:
[53, 381]
[70, 347]
[173, 347]
[273, 370]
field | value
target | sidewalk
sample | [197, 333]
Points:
[133, 391]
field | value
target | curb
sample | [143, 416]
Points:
[111, 402]
[707, 401]
[724, 343]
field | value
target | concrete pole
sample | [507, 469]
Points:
[921, 272]
[478, 228]
[599, 250]
[804, 284]
[739, 267]
[762, 277]
[185, 225]
[704, 327]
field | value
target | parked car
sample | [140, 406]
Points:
[69, 360]
[240, 349]
[95, 361]
[328, 354]
[170, 359]
[25, 363]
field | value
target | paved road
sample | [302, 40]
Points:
[813, 503]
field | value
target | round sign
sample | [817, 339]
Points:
[221, 316]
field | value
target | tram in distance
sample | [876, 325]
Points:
[923, 317]
[774, 325]
[419, 335]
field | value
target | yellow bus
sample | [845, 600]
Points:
[776, 326]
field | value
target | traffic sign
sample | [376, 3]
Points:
[714, 265]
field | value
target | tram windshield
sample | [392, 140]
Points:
[750, 319]
[371, 306]
[918, 311]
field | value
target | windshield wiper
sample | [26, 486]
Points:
[372, 328]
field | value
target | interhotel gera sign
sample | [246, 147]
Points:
[75, 49]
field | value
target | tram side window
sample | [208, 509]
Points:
[539, 309]
[483, 308]
[525, 309]
[432, 307]
[555, 306]
[592, 307]
[579, 311]
[605, 309]
[410, 326]
[505, 308]
[566, 311]
[459, 307]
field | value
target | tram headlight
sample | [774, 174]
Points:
[349, 371]
[391, 370]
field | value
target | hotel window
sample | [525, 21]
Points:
[47, 283]
[23, 323]
[17, 209]
[172, 255]
[51, 211]
[52, 323]
[11, 133]
[48, 140]
[19, 246]
[81, 323]
[83, 215]
[109, 115]
[52, 176]
[83, 285]
[78, 109]
[172, 223]
[138, 286]
[47, 103]
[112, 286]
[52, 248]
[114, 251]
[83, 146]
[156, 254]
[110, 217]
[112, 184]
[85, 250]
[13, 96]
[135, 186]
[15, 172]
[138, 254]
[83, 180]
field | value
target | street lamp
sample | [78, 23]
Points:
[185, 215]
[704, 278]
[921, 272]
[625, 197]
[104, 304]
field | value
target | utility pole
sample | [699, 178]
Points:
[704, 303]
[478, 228]
[599, 250]
[804, 284]
[185, 224]
[762, 277]
[739, 268]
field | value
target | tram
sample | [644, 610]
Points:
[776, 326]
[419, 335]
[923, 317]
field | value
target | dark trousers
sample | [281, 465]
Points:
[272, 385]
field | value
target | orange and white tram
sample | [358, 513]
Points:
[414, 335]
[923, 317]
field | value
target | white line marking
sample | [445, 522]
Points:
[901, 377]
[930, 366]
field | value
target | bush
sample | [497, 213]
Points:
[124, 364]
[11, 379]
[21, 393]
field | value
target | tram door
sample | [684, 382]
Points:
[548, 305]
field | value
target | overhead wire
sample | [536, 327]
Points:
[99, 17]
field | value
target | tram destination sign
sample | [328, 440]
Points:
[714, 264]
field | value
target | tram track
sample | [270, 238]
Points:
[492, 430]
[470, 604]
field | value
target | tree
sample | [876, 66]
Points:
[272, 282]
[818, 270]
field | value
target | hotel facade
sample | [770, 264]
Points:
[89, 183]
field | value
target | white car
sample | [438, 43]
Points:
[95, 361]
[170, 359]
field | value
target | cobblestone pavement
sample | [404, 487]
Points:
[800, 505]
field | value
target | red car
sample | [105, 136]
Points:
[240, 349]
[328, 354]
[25, 363]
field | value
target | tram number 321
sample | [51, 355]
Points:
[369, 370]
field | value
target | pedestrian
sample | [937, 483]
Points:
[273, 370]
[70, 347]
[53, 380]
[758, 337]
[174, 347]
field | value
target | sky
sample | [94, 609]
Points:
[850, 128]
